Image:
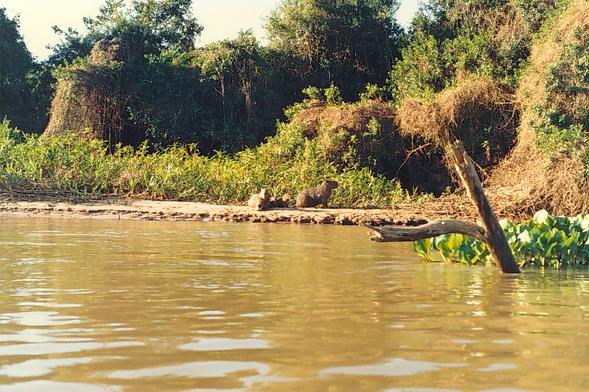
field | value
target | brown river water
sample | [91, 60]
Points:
[91, 305]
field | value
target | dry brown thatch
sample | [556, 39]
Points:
[529, 180]
[326, 122]
[476, 112]
[397, 156]
[105, 52]
[318, 118]
[88, 100]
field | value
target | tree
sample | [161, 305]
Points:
[148, 26]
[345, 42]
[236, 66]
[153, 25]
[451, 39]
[15, 63]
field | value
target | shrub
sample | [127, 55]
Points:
[67, 165]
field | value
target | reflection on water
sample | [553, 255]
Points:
[40, 367]
[223, 344]
[142, 306]
[393, 368]
[52, 386]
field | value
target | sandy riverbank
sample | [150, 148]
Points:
[405, 214]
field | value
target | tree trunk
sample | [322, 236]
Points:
[497, 243]
[490, 233]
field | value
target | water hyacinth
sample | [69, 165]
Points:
[545, 240]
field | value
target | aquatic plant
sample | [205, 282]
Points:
[545, 240]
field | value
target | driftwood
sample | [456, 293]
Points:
[489, 232]
[432, 229]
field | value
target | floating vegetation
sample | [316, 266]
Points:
[545, 240]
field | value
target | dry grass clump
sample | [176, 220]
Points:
[479, 112]
[78, 107]
[86, 97]
[504, 23]
[365, 130]
[321, 119]
[527, 181]
[105, 52]
[530, 178]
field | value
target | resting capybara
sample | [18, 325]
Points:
[315, 196]
[280, 203]
[260, 201]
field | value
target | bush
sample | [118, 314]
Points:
[66, 165]
[454, 39]
[562, 119]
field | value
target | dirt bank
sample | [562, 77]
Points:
[402, 214]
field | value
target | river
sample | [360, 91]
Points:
[99, 305]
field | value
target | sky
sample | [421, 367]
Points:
[220, 18]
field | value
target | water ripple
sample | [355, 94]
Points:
[393, 368]
[225, 344]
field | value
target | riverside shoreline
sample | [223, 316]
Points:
[131, 209]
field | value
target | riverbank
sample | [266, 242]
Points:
[120, 208]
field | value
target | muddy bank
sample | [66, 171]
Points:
[402, 214]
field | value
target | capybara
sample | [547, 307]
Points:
[260, 201]
[280, 203]
[315, 196]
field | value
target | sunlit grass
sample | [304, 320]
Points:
[71, 166]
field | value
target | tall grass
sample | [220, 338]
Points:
[68, 165]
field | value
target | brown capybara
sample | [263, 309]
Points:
[260, 201]
[315, 196]
[280, 203]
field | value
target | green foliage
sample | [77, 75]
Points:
[67, 165]
[223, 96]
[346, 42]
[314, 93]
[545, 240]
[430, 65]
[16, 101]
[570, 75]
[330, 96]
[244, 93]
[455, 248]
[421, 72]
[536, 12]
[469, 54]
[229, 94]
[562, 120]
[557, 134]
[455, 38]
[148, 26]
[333, 95]
[372, 92]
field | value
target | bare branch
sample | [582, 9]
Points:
[429, 230]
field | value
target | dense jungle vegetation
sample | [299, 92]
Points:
[334, 93]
